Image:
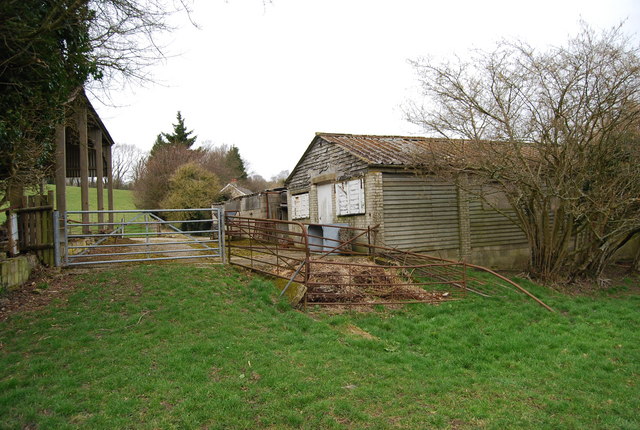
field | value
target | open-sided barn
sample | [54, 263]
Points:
[363, 181]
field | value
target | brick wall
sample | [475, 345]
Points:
[464, 223]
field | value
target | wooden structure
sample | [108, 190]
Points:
[367, 181]
[33, 224]
[268, 204]
[83, 150]
[233, 190]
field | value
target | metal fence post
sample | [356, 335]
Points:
[221, 235]
[56, 238]
[13, 234]
[66, 239]
[146, 236]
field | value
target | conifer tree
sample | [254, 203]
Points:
[180, 136]
[236, 164]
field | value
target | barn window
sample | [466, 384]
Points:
[300, 206]
[350, 197]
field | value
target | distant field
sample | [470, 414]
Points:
[122, 200]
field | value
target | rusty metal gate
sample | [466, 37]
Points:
[339, 265]
[126, 236]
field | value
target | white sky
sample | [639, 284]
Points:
[266, 77]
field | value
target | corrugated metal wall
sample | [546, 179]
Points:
[491, 228]
[419, 214]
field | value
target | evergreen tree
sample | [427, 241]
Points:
[180, 136]
[236, 164]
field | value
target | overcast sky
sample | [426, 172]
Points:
[267, 77]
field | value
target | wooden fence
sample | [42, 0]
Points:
[34, 225]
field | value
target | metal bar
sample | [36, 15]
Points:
[284, 290]
[221, 234]
[137, 253]
[107, 235]
[291, 258]
[56, 238]
[380, 302]
[113, 245]
[159, 221]
[146, 230]
[540, 302]
[389, 284]
[464, 276]
[135, 260]
[263, 248]
[66, 239]
[265, 262]
[150, 211]
[104, 236]
[418, 266]
[182, 232]
[98, 224]
[255, 269]
[342, 244]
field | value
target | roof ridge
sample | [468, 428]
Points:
[393, 136]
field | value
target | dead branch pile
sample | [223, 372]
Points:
[342, 283]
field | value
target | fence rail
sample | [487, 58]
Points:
[340, 265]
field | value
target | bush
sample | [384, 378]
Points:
[191, 186]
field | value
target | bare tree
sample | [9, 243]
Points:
[278, 179]
[124, 159]
[556, 132]
[124, 37]
[152, 182]
[223, 161]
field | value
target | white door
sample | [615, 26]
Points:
[325, 204]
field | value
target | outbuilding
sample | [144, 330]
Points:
[365, 181]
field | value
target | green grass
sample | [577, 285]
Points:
[122, 200]
[175, 346]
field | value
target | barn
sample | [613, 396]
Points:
[363, 180]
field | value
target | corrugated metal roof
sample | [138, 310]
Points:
[404, 150]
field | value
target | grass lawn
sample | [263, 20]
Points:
[174, 346]
[122, 200]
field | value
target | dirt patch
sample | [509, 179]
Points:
[361, 281]
[44, 286]
[357, 331]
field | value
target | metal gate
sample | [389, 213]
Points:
[125, 236]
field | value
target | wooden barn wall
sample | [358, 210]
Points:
[419, 214]
[324, 159]
[73, 160]
[491, 228]
[261, 205]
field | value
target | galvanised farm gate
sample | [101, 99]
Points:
[125, 236]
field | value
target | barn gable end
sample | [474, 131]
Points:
[323, 161]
